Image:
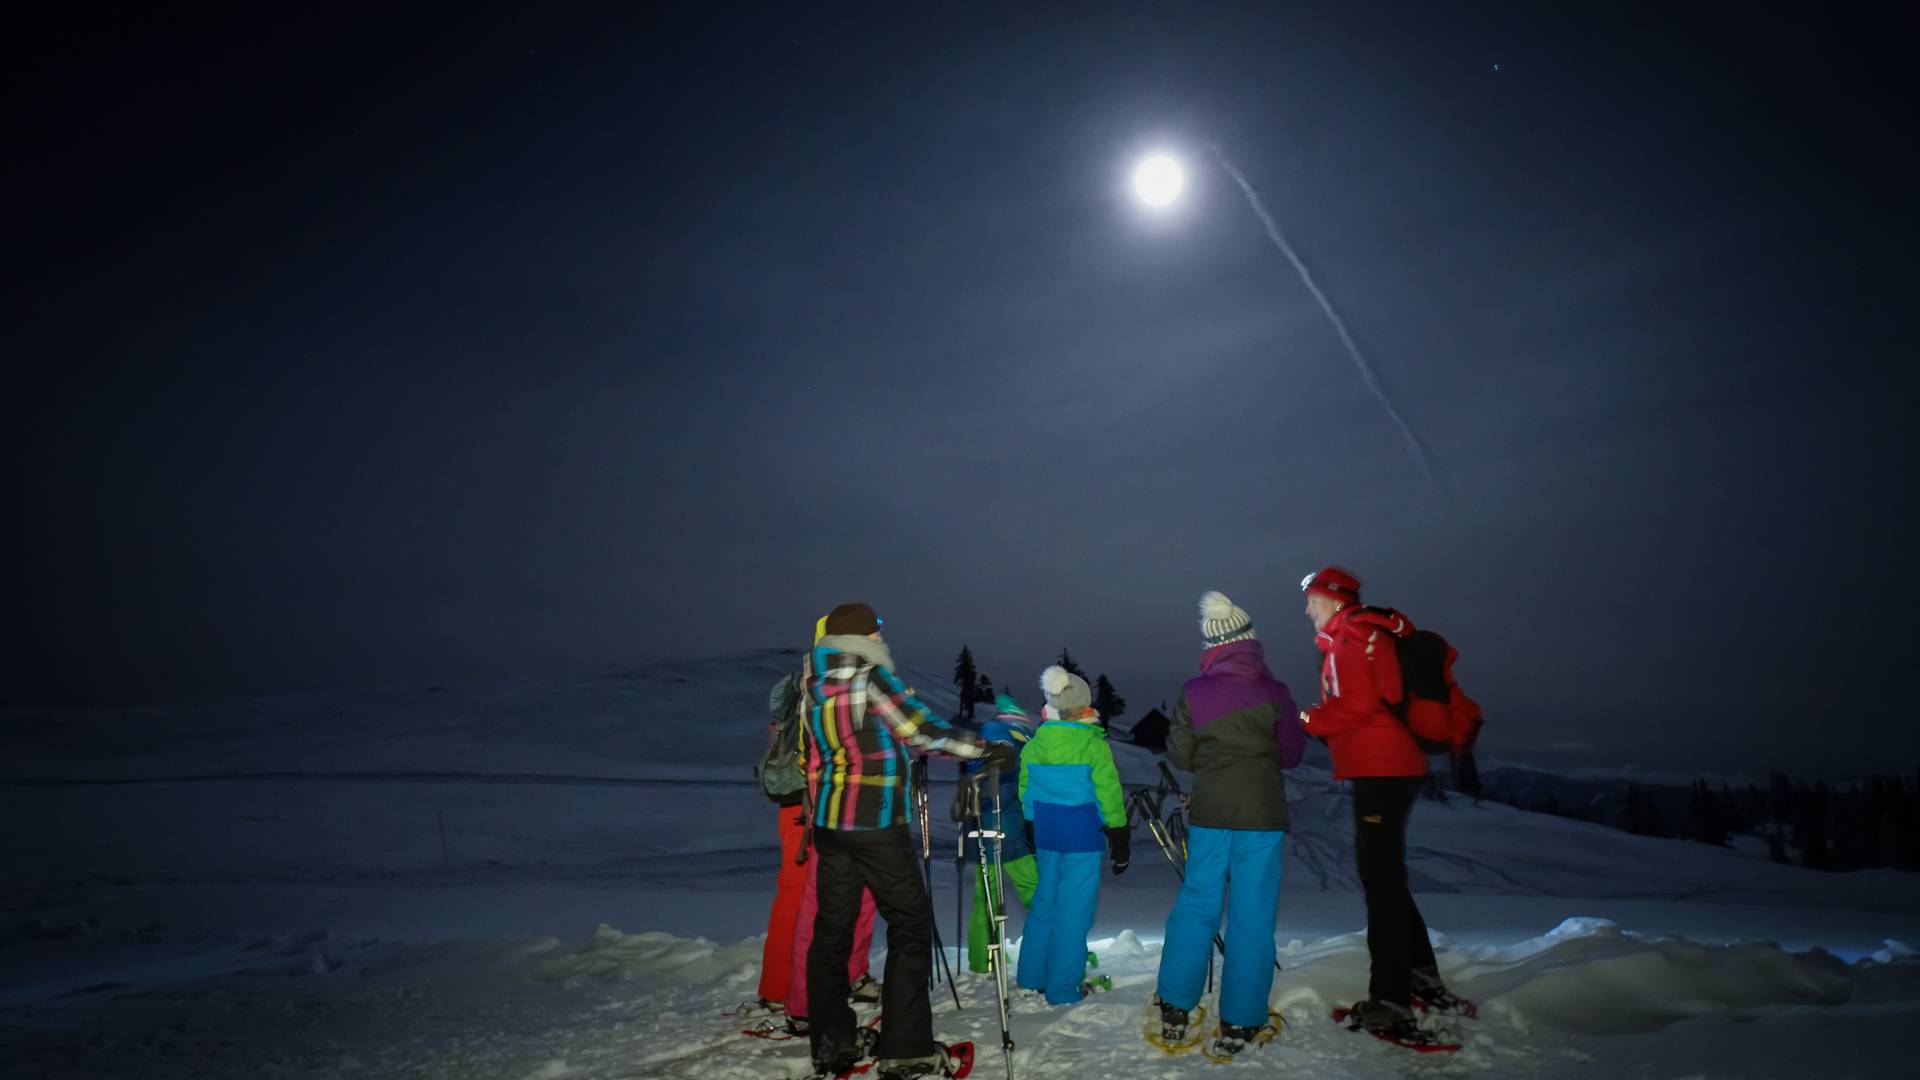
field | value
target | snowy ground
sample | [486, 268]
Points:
[415, 885]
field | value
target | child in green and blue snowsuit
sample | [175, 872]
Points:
[1070, 791]
[1012, 727]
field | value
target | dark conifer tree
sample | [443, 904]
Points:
[1780, 804]
[1705, 821]
[1656, 824]
[1801, 822]
[1815, 854]
[1106, 702]
[1896, 838]
[1066, 661]
[966, 680]
[1635, 811]
[1754, 815]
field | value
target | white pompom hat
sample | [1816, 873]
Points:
[1221, 620]
[1065, 691]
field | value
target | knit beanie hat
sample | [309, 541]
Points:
[1333, 583]
[857, 619]
[1005, 703]
[1222, 621]
[1066, 692]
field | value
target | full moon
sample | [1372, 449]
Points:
[1157, 180]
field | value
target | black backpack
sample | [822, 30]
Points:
[1427, 691]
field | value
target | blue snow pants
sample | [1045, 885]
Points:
[1053, 940]
[1236, 870]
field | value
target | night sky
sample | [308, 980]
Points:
[397, 351]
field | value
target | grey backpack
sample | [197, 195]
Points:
[782, 770]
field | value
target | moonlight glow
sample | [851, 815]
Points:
[1157, 180]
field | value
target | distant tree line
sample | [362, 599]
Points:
[975, 688]
[1864, 825]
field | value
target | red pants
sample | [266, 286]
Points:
[783, 962]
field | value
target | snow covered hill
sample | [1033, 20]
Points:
[415, 883]
[675, 719]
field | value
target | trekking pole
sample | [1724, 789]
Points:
[918, 772]
[996, 912]
[1144, 806]
[961, 936]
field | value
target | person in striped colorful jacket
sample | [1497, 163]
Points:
[807, 909]
[1070, 791]
[862, 724]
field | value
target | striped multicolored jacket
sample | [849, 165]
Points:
[861, 722]
[1069, 787]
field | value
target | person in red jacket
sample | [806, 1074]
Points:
[1371, 746]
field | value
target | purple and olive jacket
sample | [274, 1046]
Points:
[1236, 728]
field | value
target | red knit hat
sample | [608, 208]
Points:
[1334, 584]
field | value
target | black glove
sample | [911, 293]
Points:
[1120, 848]
[1027, 827]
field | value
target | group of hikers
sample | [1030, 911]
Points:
[847, 853]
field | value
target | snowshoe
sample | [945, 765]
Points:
[1092, 960]
[1172, 1030]
[866, 990]
[1389, 1022]
[793, 1027]
[1099, 984]
[953, 1061]
[1232, 1039]
[760, 1007]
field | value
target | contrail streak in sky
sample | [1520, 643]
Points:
[1422, 458]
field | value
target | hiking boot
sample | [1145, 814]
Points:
[1233, 1038]
[1388, 1019]
[865, 989]
[1444, 1002]
[1430, 995]
[1173, 1021]
[833, 1060]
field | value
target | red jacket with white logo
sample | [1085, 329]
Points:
[1359, 675]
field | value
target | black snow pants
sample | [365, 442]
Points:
[884, 861]
[1396, 934]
